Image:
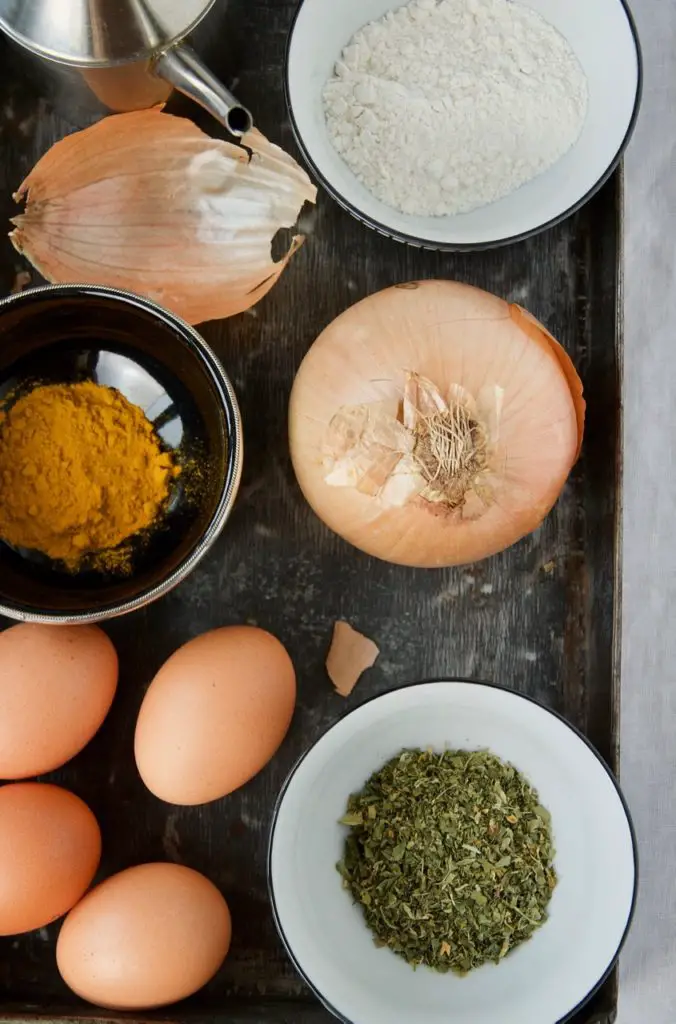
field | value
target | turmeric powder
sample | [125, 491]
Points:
[81, 471]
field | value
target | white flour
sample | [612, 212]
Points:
[445, 105]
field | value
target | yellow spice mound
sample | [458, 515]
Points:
[81, 470]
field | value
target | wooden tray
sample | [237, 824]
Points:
[543, 617]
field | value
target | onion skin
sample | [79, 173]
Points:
[541, 336]
[147, 202]
[451, 334]
[350, 655]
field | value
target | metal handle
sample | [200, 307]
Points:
[183, 69]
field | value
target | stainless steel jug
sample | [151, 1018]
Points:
[126, 54]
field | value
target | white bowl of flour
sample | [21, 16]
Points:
[462, 124]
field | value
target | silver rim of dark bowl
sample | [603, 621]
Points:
[227, 498]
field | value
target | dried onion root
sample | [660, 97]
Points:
[434, 424]
[147, 202]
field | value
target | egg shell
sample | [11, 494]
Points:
[56, 687]
[147, 937]
[214, 715]
[50, 847]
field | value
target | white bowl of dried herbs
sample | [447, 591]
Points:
[452, 851]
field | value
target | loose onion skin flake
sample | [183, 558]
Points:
[147, 202]
[434, 424]
[350, 655]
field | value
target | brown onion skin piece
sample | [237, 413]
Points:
[120, 204]
[350, 655]
[539, 334]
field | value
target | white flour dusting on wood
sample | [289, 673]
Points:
[443, 106]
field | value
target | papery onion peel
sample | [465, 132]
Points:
[147, 202]
[350, 655]
[434, 424]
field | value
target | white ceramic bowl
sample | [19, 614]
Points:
[603, 36]
[543, 981]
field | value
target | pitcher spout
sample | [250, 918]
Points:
[182, 68]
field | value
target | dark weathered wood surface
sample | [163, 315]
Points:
[540, 617]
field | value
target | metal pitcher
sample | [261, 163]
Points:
[122, 54]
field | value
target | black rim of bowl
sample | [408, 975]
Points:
[474, 682]
[233, 472]
[422, 243]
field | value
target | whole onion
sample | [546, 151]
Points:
[434, 424]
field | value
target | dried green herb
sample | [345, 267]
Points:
[450, 857]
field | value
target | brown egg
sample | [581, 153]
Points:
[147, 937]
[50, 847]
[56, 686]
[214, 715]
